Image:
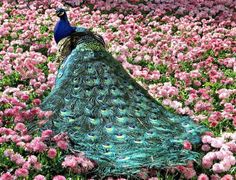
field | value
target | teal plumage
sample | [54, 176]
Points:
[111, 118]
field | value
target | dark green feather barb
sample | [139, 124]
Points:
[110, 117]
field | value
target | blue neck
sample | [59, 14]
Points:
[63, 28]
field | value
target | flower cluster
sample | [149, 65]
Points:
[181, 51]
[221, 159]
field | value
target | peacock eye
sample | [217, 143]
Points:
[108, 126]
[99, 98]
[90, 134]
[119, 134]
[104, 107]
[132, 126]
[150, 132]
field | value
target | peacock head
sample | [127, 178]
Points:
[61, 12]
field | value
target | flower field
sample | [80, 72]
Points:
[182, 51]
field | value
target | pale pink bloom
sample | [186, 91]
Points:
[26, 165]
[59, 177]
[206, 147]
[215, 177]
[202, 177]
[46, 133]
[218, 168]
[230, 159]
[8, 152]
[39, 177]
[21, 172]
[206, 139]
[189, 173]
[38, 166]
[32, 159]
[52, 153]
[226, 164]
[207, 162]
[17, 158]
[62, 145]
[20, 127]
[217, 142]
[37, 145]
[70, 161]
[227, 177]
[43, 86]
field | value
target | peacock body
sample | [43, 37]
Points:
[111, 118]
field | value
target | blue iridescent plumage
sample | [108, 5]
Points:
[63, 27]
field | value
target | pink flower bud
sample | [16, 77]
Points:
[52, 153]
[206, 147]
[202, 177]
[187, 145]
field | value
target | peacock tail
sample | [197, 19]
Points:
[111, 118]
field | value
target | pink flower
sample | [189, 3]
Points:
[187, 145]
[21, 172]
[38, 166]
[32, 159]
[36, 102]
[202, 177]
[217, 142]
[20, 127]
[206, 139]
[206, 147]
[26, 165]
[62, 145]
[37, 145]
[52, 153]
[46, 134]
[70, 161]
[7, 176]
[59, 177]
[218, 168]
[25, 97]
[215, 177]
[227, 177]
[39, 177]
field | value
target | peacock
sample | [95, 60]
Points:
[107, 114]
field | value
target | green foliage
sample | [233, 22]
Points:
[186, 66]
[11, 80]
[114, 29]
[43, 29]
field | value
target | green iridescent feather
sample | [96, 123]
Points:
[112, 119]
